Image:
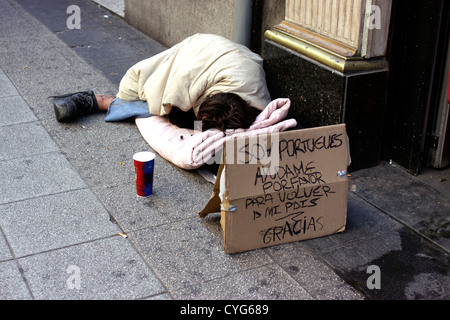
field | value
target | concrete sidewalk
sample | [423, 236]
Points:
[67, 190]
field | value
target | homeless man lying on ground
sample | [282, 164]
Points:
[205, 77]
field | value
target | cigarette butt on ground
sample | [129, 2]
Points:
[123, 235]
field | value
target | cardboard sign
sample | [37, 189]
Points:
[283, 187]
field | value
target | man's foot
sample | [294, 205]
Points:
[104, 101]
[70, 106]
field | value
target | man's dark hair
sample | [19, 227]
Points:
[226, 111]
[182, 119]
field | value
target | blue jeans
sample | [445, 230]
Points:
[121, 110]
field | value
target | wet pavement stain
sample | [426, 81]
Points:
[418, 271]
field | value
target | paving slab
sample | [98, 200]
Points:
[55, 221]
[12, 286]
[318, 279]
[268, 282]
[25, 69]
[5, 252]
[8, 89]
[364, 223]
[305, 266]
[96, 151]
[185, 253]
[417, 270]
[24, 140]
[402, 255]
[80, 38]
[104, 269]
[165, 205]
[35, 176]
[15, 110]
[16, 25]
[408, 199]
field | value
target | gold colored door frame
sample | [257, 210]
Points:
[346, 35]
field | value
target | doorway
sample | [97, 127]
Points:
[440, 148]
[416, 116]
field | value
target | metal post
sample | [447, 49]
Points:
[242, 23]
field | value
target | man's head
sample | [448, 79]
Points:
[226, 111]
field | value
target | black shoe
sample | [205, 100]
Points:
[70, 106]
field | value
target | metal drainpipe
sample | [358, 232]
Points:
[242, 22]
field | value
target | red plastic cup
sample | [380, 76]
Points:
[144, 164]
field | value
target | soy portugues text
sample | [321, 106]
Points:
[295, 147]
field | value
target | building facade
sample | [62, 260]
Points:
[380, 66]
